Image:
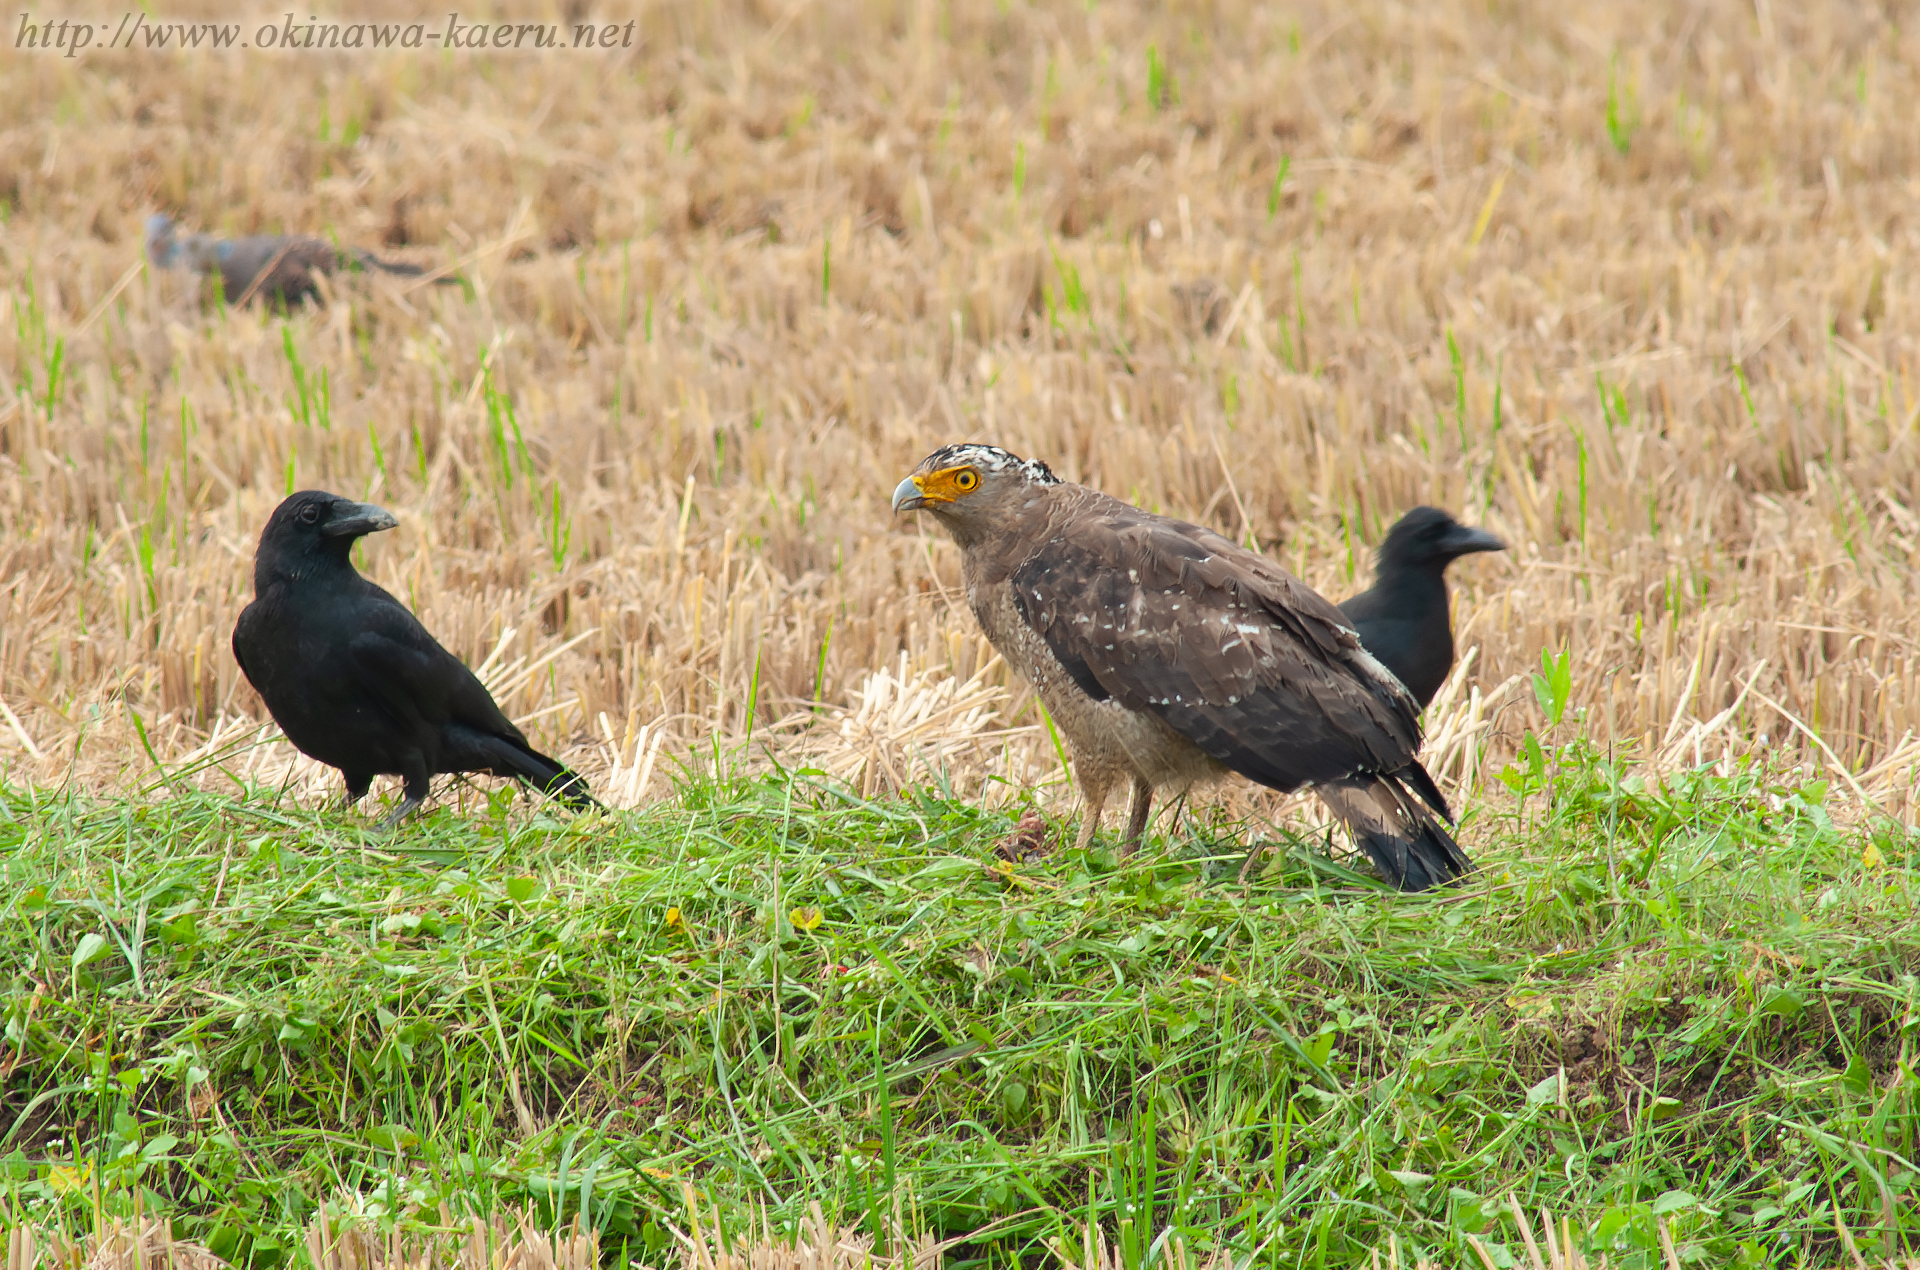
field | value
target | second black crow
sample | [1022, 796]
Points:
[1403, 619]
[355, 680]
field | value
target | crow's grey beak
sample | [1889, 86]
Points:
[907, 496]
[351, 520]
[1465, 540]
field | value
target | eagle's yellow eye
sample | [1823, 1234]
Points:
[966, 480]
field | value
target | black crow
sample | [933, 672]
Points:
[354, 680]
[1403, 618]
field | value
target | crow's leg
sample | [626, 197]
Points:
[1137, 816]
[407, 807]
[418, 781]
[358, 783]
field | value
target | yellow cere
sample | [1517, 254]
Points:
[947, 484]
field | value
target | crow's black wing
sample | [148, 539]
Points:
[243, 634]
[397, 660]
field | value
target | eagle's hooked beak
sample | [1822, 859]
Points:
[352, 520]
[909, 496]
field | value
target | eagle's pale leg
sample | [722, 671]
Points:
[1094, 786]
[1137, 816]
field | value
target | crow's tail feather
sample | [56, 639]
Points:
[502, 757]
[570, 787]
[1390, 819]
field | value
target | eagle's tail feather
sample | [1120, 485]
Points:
[1385, 814]
[1414, 775]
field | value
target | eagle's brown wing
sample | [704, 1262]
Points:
[1250, 665]
[1247, 663]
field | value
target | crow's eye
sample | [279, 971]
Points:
[309, 514]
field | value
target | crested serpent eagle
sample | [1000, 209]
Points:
[1167, 656]
[1403, 617]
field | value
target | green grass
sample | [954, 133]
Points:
[784, 994]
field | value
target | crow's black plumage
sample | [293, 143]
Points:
[352, 677]
[1403, 618]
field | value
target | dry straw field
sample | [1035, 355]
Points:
[1631, 283]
